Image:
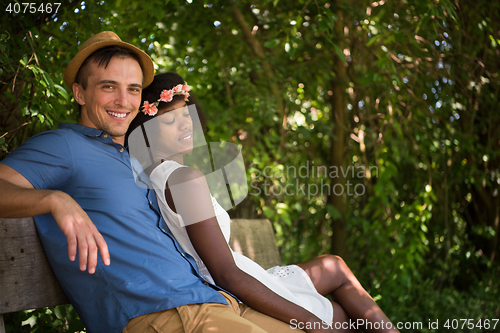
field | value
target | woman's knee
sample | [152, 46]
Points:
[336, 265]
[332, 261]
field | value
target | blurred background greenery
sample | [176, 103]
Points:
[370, 129]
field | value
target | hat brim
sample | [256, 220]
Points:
[145, 61]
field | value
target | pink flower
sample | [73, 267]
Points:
[166, 96]
[186, 88]
[186, 96]
[149, 109]
[177, 88]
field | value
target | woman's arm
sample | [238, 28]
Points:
[191, 195]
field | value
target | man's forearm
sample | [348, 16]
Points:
[17, 201]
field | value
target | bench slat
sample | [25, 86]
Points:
[26, 279]
[255, 239]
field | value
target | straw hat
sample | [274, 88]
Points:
[103, 39]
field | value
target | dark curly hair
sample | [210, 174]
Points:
[152, 93]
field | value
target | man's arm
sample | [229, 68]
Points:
[18, 198]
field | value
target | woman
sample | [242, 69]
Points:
[294, 293]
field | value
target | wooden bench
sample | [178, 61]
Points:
[27, 280]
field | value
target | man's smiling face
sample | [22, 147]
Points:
[112, 98]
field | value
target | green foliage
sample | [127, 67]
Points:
[33, 96]
[61, 318]
[420, 159]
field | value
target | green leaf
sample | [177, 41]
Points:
[323, 26]
[272, 43]
[30, 321]
[282, 205]
[268, 212]
[331, 17]
[60, 311]
[334, 213]
[339, 52]
[62, 91]
[48, 80]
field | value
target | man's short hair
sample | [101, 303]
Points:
[102, 57]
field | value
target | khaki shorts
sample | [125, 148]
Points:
[208, 317]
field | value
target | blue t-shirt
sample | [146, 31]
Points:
[149, 272]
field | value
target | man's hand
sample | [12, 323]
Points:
[18, 198]
[80, 232]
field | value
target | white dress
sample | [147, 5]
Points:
[290, 282]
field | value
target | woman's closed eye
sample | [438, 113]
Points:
[167, 119]
[172, 120]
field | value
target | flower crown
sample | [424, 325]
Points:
[166, 96]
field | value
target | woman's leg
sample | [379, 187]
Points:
[331, 276]
[342, 319]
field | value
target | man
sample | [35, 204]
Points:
[78, 182]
